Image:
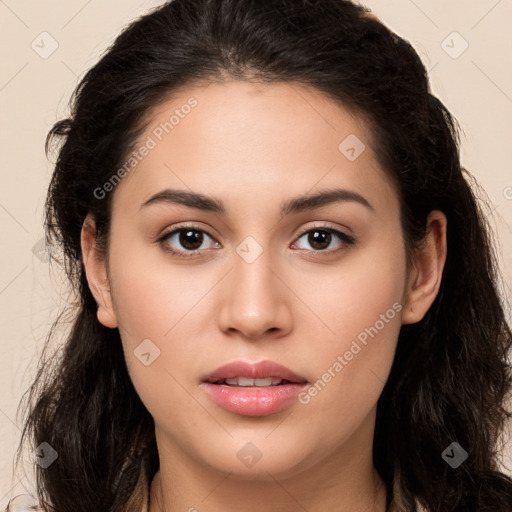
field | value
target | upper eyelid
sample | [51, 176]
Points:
[180, 227]
[323, 226]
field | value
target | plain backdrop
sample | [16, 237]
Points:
[47, 46]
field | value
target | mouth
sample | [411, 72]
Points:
[243, 374]
[243, 382]
[253, 389]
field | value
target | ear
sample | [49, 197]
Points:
[425, 276]
[96, 272]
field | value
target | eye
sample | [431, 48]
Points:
[321, 237]
[189, 237]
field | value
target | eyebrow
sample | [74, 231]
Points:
[295, 205]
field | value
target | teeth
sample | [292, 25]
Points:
[245, 382]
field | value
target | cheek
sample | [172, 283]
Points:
[351, 373]
[353, 294]
[157, 307]
[361, 306]
[150, 296]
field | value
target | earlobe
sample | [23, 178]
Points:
[425, 277]
[96, 273]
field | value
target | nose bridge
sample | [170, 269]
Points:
[254, 301]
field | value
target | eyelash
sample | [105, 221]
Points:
[346, 239]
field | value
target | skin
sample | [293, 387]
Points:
[254, 146]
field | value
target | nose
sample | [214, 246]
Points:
[255, 300]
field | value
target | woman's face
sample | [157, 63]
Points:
[256, 283]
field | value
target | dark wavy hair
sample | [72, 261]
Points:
[450, 380]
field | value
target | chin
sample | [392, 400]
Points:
[247, 462]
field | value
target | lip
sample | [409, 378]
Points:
[253, 400]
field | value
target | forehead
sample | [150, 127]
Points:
[231, 139]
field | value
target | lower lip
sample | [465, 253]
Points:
[253, 401]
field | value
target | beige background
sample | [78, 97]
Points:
[475, 85]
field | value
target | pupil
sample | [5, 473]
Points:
[315, 238]
[191, 237]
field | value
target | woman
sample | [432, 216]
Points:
[288, 295]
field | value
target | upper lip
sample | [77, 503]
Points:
[260, 370]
